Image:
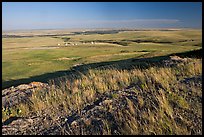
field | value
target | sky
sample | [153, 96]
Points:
[59, 15]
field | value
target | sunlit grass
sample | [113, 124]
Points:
[157, 88]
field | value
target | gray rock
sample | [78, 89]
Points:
[15, 95]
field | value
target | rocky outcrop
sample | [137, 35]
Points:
[174, 60]
[15, 95]
[109, 110]
[92, 114]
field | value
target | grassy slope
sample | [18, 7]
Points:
[20, 63]
[161, 103]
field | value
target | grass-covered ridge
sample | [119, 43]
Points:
[157, 99]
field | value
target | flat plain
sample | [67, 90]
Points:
[34, 53]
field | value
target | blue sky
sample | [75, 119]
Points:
[56, 15]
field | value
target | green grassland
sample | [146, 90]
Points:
[32, 56]
[119, 83]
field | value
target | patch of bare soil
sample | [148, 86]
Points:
[65, 58]
[37, 48]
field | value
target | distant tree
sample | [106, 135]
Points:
[66, 39]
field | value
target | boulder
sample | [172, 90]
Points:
[15, 95]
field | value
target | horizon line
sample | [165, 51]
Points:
[102, 28]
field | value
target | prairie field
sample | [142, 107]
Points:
[24, 58]
[104, 82]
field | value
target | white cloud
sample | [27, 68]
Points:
[140, 23]
[135, 21]
[95, 22]
[123, 23]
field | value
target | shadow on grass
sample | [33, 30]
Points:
[76, 72]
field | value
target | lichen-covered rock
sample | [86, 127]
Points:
[15, 95]
[174, 60]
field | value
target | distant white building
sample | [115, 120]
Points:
[58, 44]
[92, 42]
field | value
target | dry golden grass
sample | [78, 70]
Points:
[161, 99]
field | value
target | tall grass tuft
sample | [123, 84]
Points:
[158, 106]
